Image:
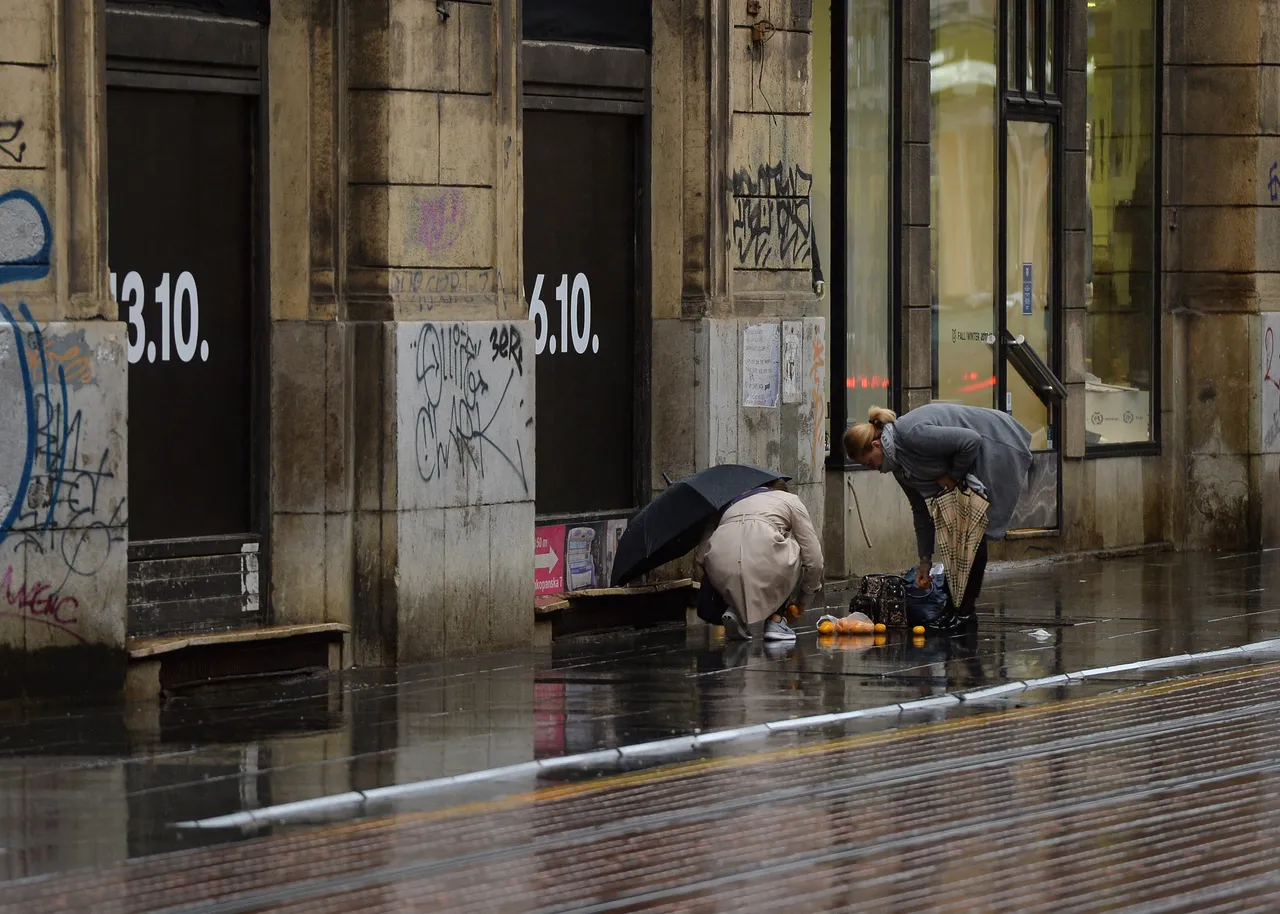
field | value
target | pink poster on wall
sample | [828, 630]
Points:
[548, 560]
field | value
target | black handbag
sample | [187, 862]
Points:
[883, 598]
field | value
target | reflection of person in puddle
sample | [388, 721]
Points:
[761, 552]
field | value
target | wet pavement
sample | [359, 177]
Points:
[94, 787]
[1160, 798]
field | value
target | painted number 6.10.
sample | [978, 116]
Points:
[575, 317]
[179, 318]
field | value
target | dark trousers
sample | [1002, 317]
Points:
[973, 587]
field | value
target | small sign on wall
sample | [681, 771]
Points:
[1026, 288]
[548, 560]
[791, 333]
[761, 365]
[568, 558]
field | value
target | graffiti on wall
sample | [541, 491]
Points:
[62, 511]
[25, 238]
[772, 223]
[470, 402]
[424, 290]
[441, 217]
[11, 144]
[1269, 401]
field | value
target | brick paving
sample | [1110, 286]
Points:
[1160, 798]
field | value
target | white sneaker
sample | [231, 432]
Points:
[734, 630]
[778, 631]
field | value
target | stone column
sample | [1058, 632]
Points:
[313, 362]
[444, 401]
[756, 279]
[681, 240]
[1222, 257]
[63, 404]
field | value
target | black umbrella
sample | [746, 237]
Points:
[672, 524]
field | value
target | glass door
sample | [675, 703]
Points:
[995, 223]
[1029, 308]
[1029, 305]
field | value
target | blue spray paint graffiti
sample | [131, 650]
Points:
[29, 458]
[26, 240]
[57, 510]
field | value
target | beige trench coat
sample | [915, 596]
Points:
[762, 546]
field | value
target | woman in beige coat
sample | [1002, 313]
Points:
[762, 547]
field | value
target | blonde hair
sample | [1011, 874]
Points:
[859, 438]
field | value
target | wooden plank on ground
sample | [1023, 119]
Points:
[639, 590]
[544, 604]
[152, 647]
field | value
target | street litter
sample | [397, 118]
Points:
[1040, 634]
[855, 623]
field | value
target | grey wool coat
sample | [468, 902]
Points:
[985, 447]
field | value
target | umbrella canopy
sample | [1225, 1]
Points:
[672, 524]
[960, 520]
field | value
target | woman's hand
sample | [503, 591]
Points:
[946, 483]
[924, 580]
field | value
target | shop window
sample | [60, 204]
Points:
[1121, 286]
[854, 193]
[868, 204]
[963, 84]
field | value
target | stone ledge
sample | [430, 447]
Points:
[140, 649]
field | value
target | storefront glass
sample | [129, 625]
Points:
[868, 217]
[1029, 263]
[1121, 287]
[963, 194]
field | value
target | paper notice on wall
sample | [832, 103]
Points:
[761, 369]
[1269, 401]
[791, 333]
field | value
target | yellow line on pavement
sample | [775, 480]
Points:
[791, 753]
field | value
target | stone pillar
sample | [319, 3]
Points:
[444, 361]
[731, 242]
[312, 345]
[682, 243]
[771, 255]
[1078, 509]
[1222, 256]
[63, 403]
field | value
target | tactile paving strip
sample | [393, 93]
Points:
[1158, 799]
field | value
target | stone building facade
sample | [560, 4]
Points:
[385, 315]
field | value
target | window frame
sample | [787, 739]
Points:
[838, 285]
[1155, 446]
[1033, 104]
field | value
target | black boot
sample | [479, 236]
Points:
[952, 621]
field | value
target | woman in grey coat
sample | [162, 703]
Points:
[932, 449]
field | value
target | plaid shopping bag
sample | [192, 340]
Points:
[960, 521]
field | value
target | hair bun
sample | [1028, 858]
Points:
[880, 417]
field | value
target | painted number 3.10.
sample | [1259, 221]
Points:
[179, 318]
[575, 317]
